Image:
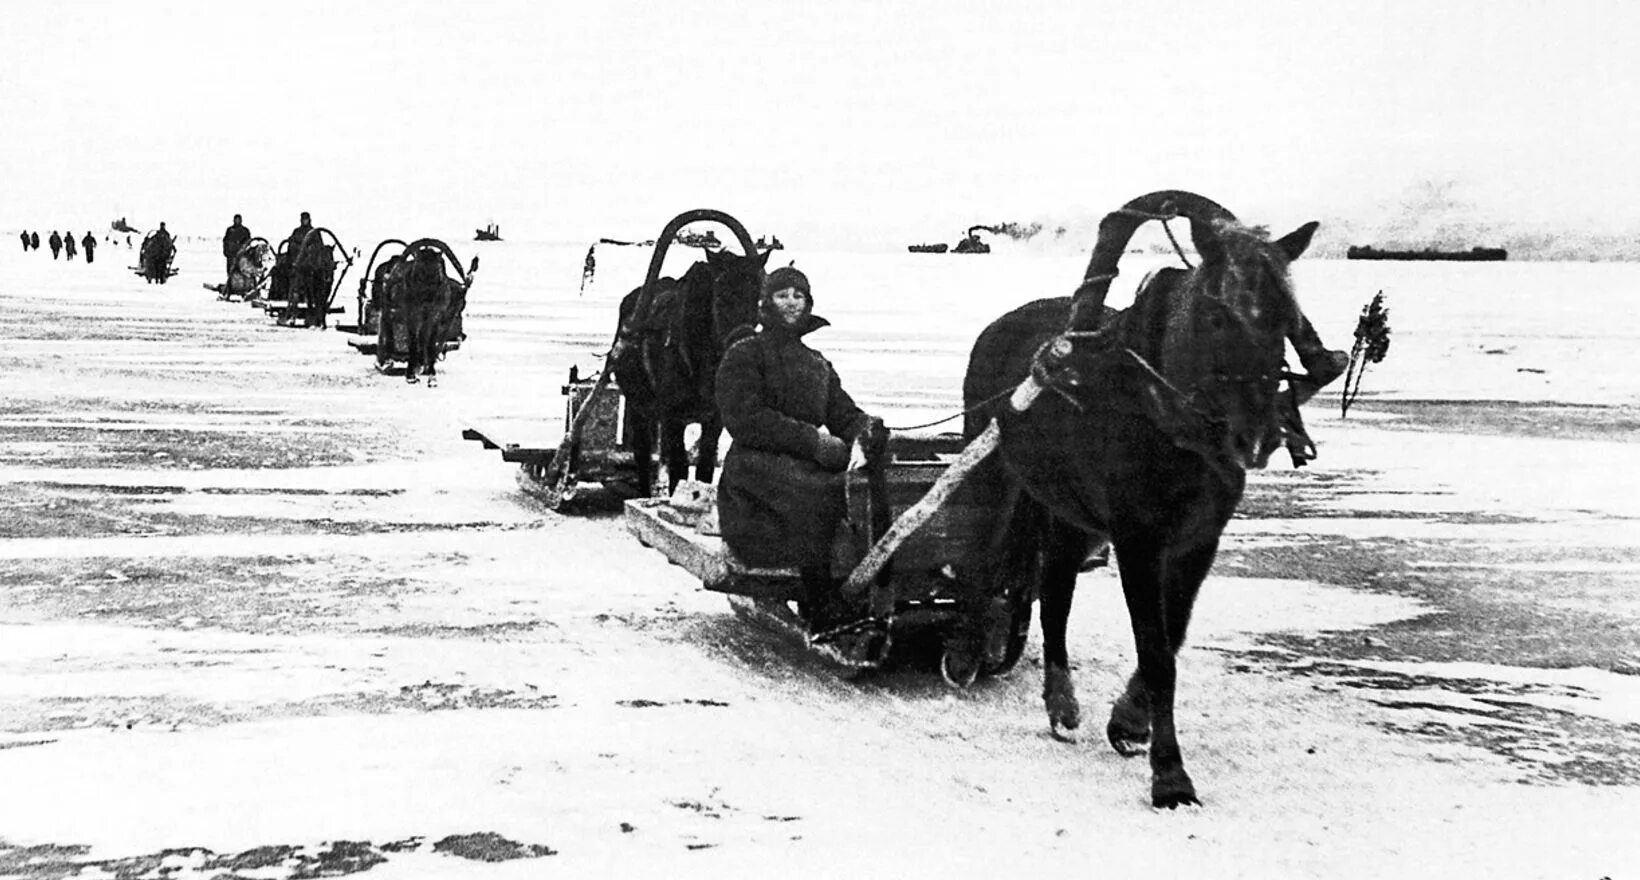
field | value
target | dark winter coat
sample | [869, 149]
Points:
[90, 242]
[293, 247]
[776, 504]
[234, 238]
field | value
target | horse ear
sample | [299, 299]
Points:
[1296, 242]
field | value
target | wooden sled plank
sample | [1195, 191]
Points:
[705, 557]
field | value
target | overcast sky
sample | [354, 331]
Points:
[830, 122]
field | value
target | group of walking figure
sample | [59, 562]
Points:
[62, 245]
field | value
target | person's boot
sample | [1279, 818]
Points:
[824, 607]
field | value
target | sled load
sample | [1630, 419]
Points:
[304, 280]
[598, 456]
[411, 306]
[250, 273]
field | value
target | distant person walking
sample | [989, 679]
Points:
[56, 242]
[69, 249]
[589, 267]
[34, 240]
[233, 239]
[25, 242]
[90, 242]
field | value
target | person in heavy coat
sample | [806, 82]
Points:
[56, 244]
[90, 242]
[234, 238]
[781, 498]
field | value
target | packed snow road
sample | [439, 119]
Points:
[264, 613]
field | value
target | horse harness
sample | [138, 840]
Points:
[1182, 414]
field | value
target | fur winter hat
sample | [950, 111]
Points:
[788, 276]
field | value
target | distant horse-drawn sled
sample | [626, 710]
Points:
[1085, 429]
[410, 306]
[670, 336]
[155, 256]
[250, 273]
[303, 282]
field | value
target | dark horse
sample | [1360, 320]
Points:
[425, 304]
[671, 338]
[1152, 417]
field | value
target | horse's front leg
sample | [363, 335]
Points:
[1153, 579]
[640, 439]
[711, 431]
[674, 453]
[429, 356]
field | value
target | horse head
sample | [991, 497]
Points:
[736, 280]
[1226, 335]
[1222, 325]
[424, 269]
[737, 288]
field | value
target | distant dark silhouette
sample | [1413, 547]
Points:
[308, 267]
[69, 249]
[25, 242]
[34, 240]
[90, 242]
[589, 267]
[424, 303]
[158, 250]
[56, 242]
[300, 233]
[233, 239]
[1482, 254]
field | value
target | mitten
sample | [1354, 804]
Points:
[830, 452]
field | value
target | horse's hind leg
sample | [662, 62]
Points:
[1065, 551]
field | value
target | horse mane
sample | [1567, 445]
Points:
[1248, 249]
